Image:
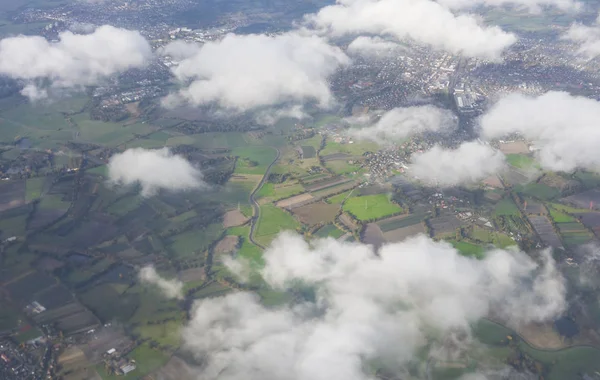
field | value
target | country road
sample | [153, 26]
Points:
[254, 203]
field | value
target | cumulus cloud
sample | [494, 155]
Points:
[366, 306]
[76, 59]
[471, 162]
[587, 37]
[243, 72]
[399, 123]
[153, 170]
[534, 6]
[170, 288]
[562, 126]
[373, 46]
[424, 21]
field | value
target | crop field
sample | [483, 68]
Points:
[273, 220]
[108, 304]
[191, 243]
[520, 161]
[560, 217]
[338, 199]
[403, 233]
[34, 188]
[544, 229]
[253, 159]
[295, 201]
[506, 207]
[332, 190]
[314, 213]
[356, 149]
[371, 207]
[538, 190]
[24, 289]
[311, 178]
[400, 221]
[326, 183]
[373, 235]
[515, 147]
[15, 226]
[280, 191]
[166, 333]
[566, 363]
[329, 231]
[568, 209]
[591, 220]
[573, 233]
[340, 167]
[588, 179]
[446, 224]
[9, 317]
[585, 200]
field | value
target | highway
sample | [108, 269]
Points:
[254, 203]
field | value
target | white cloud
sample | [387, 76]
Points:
[424, 21]
[170, 288]
[587, 37]
[243, 72]
[564, 127]
[272, 116]
[366, 307]
[153, 170]
[400, 123]
[373, 46]
[471, 162]
[34, 93]
[534, 6]
[179, 50]
[75, 60]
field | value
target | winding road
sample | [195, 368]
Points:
[254, 203]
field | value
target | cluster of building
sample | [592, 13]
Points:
[22, 363]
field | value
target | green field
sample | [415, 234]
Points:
[165, 333]
[251, 252]
[253, 159]
[468, 249]
[520, 161]
[337, 199]
[498, 239]
[342, 167]
[191, 243]
[329, 231]
[506, 207]
[9, 317]
[273, 220]
[567, 363]
[282, 191]
[560, 217]
[568, 209]
[34, 188]
[371, 207]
